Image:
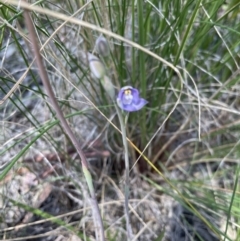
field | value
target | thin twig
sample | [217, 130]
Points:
[44, 77]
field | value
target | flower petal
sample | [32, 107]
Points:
[142, 102]
[127, 99]
[134, 107]
[135, 94]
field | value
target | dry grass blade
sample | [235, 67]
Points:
[99, 229]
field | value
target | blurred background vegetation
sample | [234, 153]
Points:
[189, 130]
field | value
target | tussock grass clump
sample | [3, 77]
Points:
[183, 57]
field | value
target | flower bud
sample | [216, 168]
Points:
[102, 46]
[108, 86]
[96, 66]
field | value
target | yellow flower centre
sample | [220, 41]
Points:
[128, 92]
[127, 97]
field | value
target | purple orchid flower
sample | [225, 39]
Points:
[128, 99]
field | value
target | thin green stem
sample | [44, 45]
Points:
[126, 158]
[142, 65]
[232, 201]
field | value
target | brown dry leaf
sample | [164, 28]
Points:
[41, 195]
[17, 185]
[74, 237]
[38, 199]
